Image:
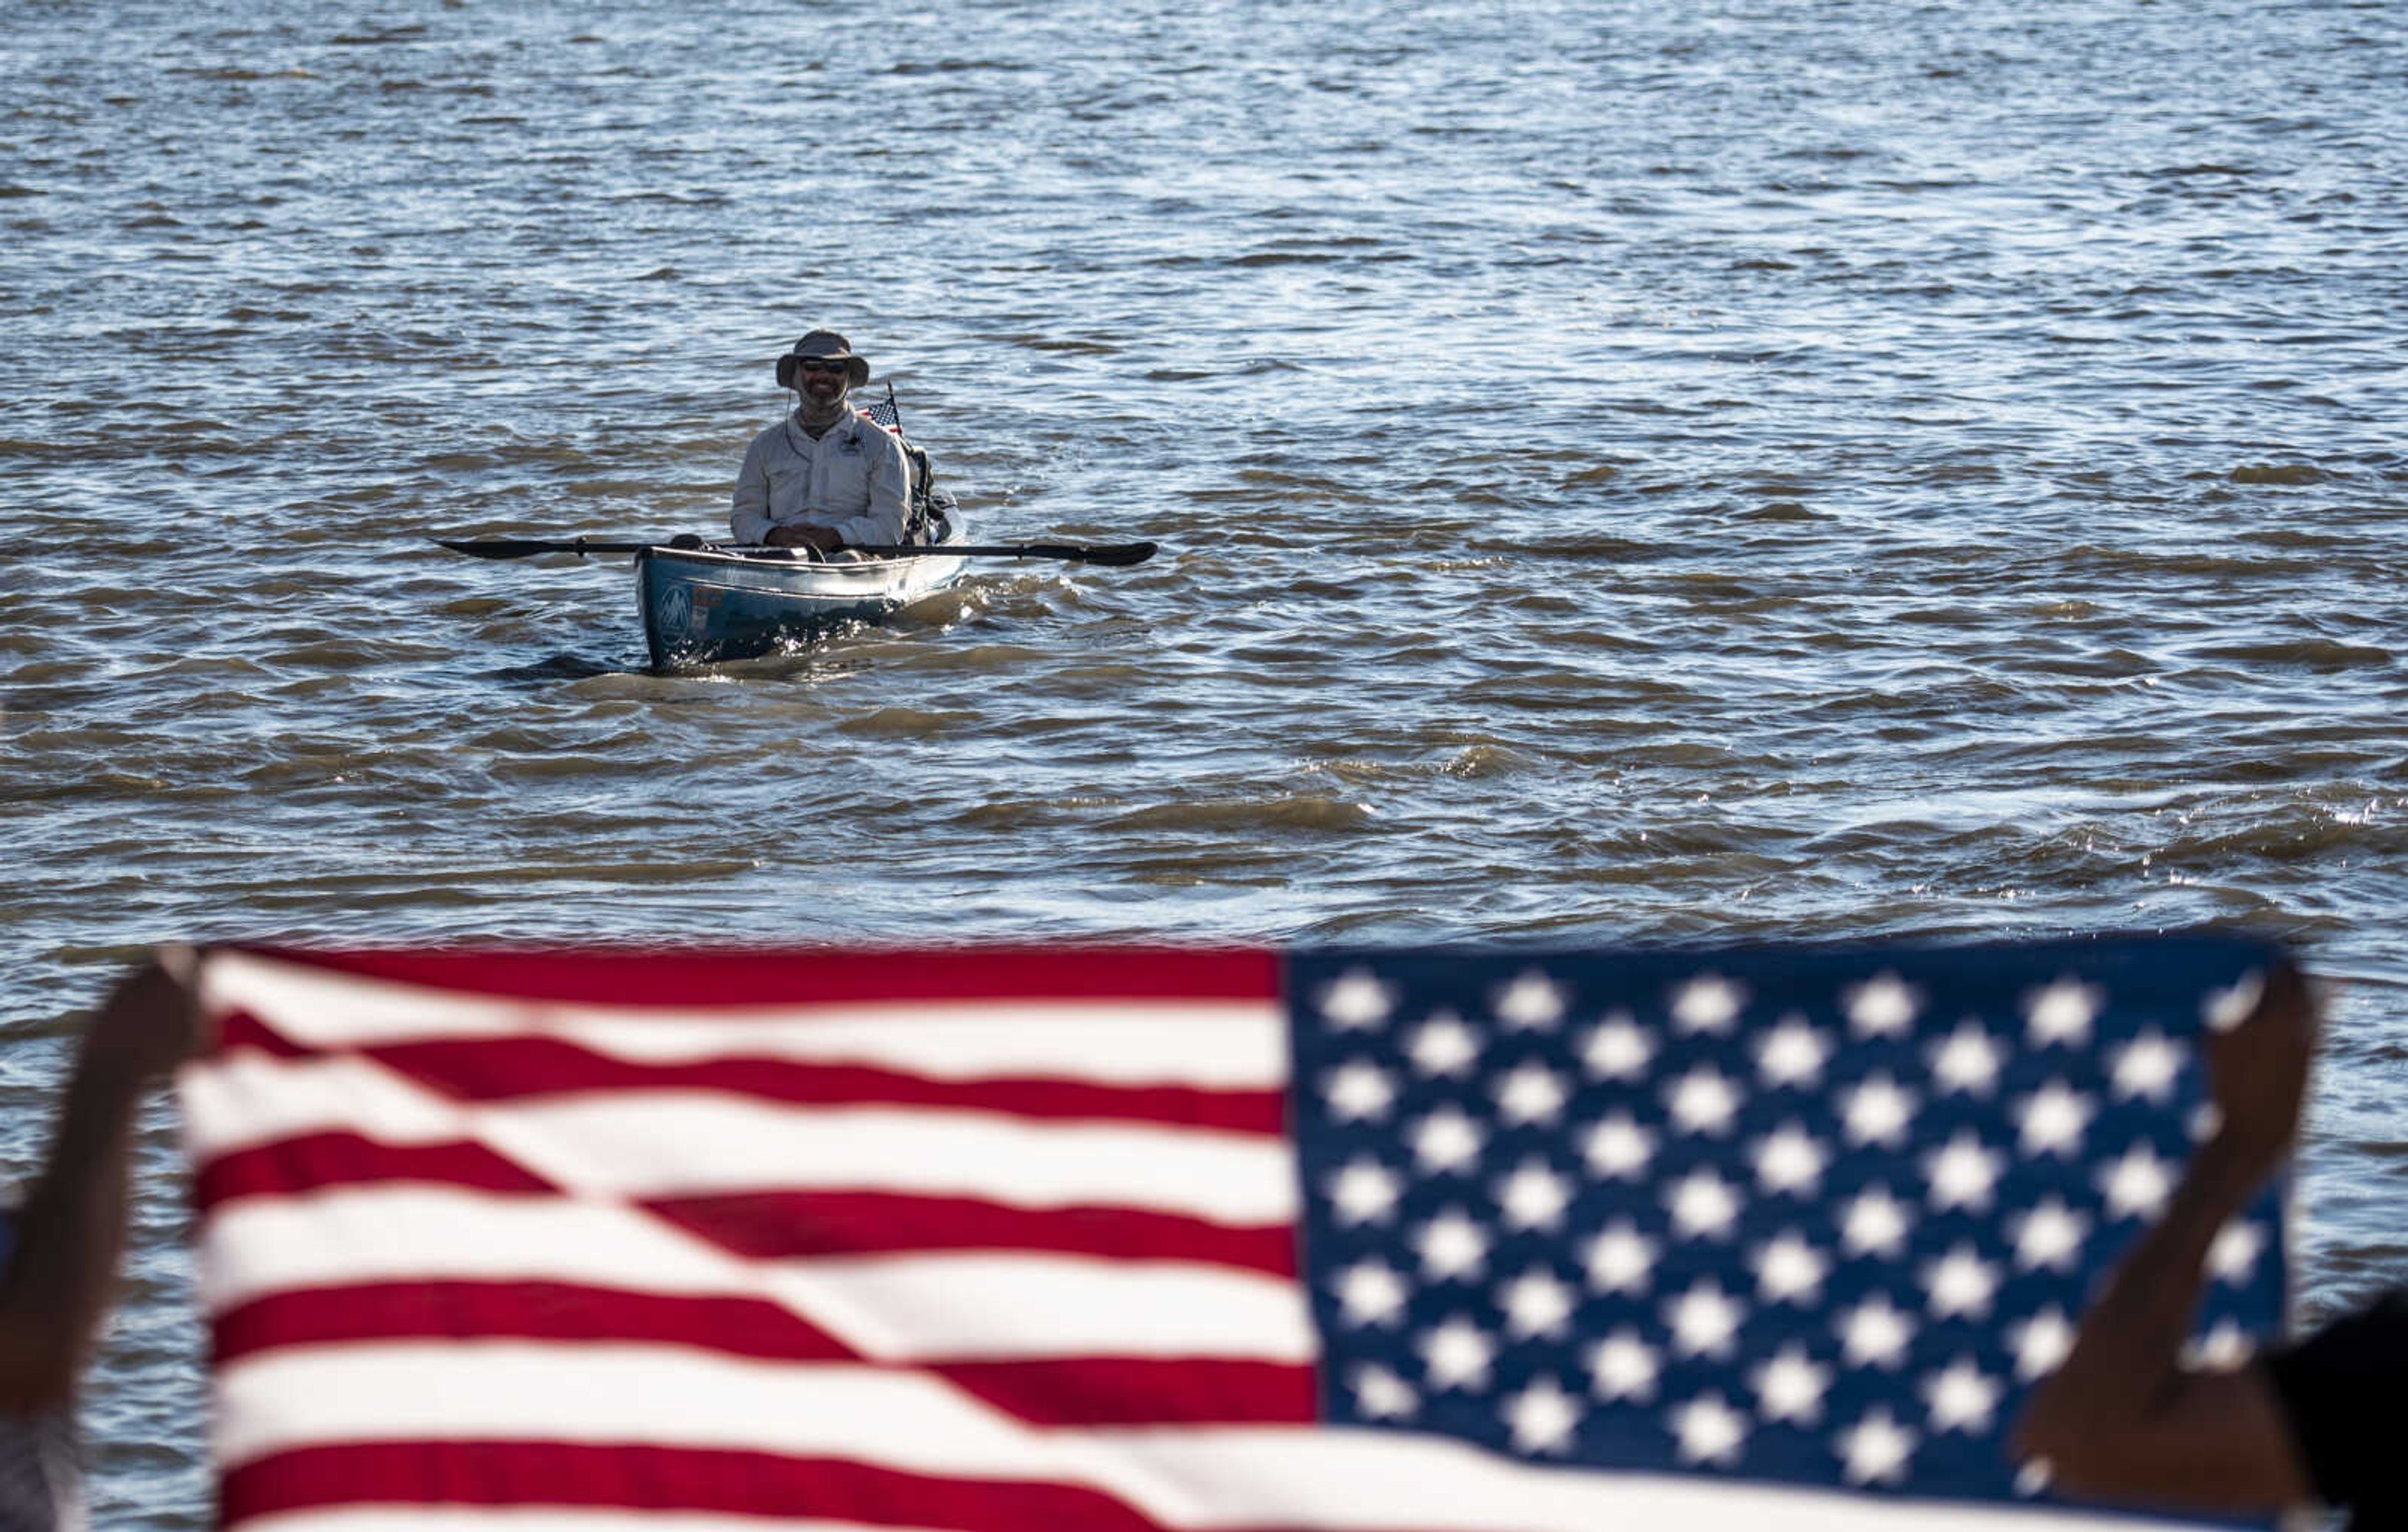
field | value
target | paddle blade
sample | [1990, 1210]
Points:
[1112, 555]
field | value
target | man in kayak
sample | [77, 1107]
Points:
[2131, 1418]
[826, 476]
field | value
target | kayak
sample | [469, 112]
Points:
[701, 605]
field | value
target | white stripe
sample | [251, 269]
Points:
[670, 1144]
[1212, 1044]
[898, 1308]
[1211, 1478]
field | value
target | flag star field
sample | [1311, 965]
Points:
[1809, 1216]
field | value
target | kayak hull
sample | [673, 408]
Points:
[703, 606]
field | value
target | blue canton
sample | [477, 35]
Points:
[1815, 1216]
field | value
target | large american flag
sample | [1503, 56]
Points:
[982, 1239]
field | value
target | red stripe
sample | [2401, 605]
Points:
[737, 1326]
[506, 1473]
[318, 1160]
[241, 1029]
[773, 1226]
[1142, 1391]
[701, 979]
[509, 1068]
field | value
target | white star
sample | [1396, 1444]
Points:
[1358, 1092]
[1456, 1354]
[1620, 1258]
[2233, 1255]
[2039, 1343]
[1708, 1003]
[2049, 1237]
[1875, 1333]
[1365, 1192]
[1963, 1173]
[1875, 1223]
[1704, 1320]
[2223, 1010]
[1617, 1048]
[1789, 1271]
[1536, 1303]
[1381, 1395]
[1532, 1002]
[1623, 1366]
[1443, 1046]
[1357, 1001]
[1542, 1417]
[1452, 1245]
[1968, 1060]
[1877, 1448]
[2137, 1185]
[2222, 1349]
[2148, 1066]
[1790, 1161]
[1960, 1282]
[2062, 1011]
[1618, 1148]
[1791, 1387]
[2054, 1119]
[1877, 1112]
[1709, 1431]
[1703, 1101]
[1447, 1141]
[1534, 1197]
[1883, 1006]
[1702, 1203]
[1530, 1094]
[1792, 1053]
[1370, 1293]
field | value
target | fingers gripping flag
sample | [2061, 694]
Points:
[593, 1242]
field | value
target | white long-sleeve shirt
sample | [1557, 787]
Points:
[852, 477]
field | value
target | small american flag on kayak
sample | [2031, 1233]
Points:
[980, 1238]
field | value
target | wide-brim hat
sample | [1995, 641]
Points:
[823, 344]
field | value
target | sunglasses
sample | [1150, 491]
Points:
[818, 363]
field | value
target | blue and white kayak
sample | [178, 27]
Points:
[704, 605]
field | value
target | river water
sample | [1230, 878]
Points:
[1627, 472]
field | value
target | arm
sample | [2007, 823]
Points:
[57, 1288]
[2124, 1419]
[747, 520]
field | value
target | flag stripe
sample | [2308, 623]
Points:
[470, 1311]
[1209, 1041]
[737, 1482]
[896, 1306]
[779, 1225]
[524, 1067]
[1125, 1391]
[687, 1142]
[716, 979]
[315, 1161]
[342, 1517]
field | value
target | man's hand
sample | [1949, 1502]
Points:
[2124, 1418]
[822, 537]
[2258, 1068]
[148, 1025]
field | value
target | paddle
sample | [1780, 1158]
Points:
[1115, 555]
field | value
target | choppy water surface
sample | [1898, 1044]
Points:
[1627, 472]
